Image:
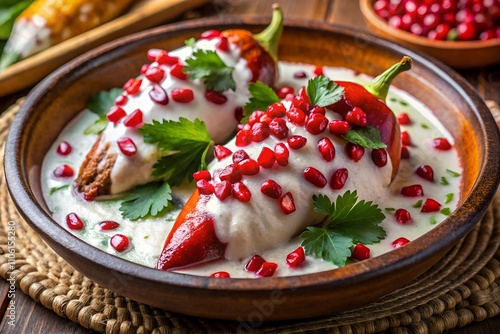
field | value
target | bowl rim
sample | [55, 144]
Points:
[484, 188]
[370, 15]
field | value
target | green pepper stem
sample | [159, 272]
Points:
[379, 87]
[269, 38]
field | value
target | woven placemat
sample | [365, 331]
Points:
[462, 288]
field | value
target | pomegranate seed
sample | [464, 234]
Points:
[182, 95]
[231, 173]
[132, 86]
[295, 142]
[355, 152]
[466, 31]
[315, 177]
[119, 242]
[301, 102]
[121, 100]
[356, 116]
[221, 152]
[300, 75]
[296, 116]
[404, 119]
[108, 225]
[326, 148]
[74, 222]
[316, 123]
[239, 156]
[209, 34]
[260, 132]
[405, 153]
[64, 148]
[441, 144]
[338, 128]
[379, 157]
[177, 70]
[64, 171]
[399, 242]
[317, 110]
[243, 137]
[249, 167]
[254, 263]
[425, 172]
[223, 44]
[405, 138]
[339, 178]
[276, 109]
[430, 205]
[318, 70]
[296, 258]
[162, 57]
[255, 117]
[271, 189]
[155, 74]
[134, 120]
[266, 158]
[127, 146]
[223, 190]
[267, 269]
[205, 187]
[144, 68]
[266, 119]
[283, 91]
[202, 175]
[281, 153]
[115, 114]
[402, 216]
[278, 128]
[214, 97]
[158, 95]
[221, 274]
[241, 192]
[361, 252]
[414, 190]
[287, 204]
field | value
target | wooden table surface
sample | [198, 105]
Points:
[34, 318]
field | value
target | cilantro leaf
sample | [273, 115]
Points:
[99, 104]
[323, 92]
[149, 199]
[183, 144]
[327, 244]
[261, 97]
[207, 65]
[323, 205]
[366, 136]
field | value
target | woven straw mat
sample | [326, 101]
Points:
[462, 288]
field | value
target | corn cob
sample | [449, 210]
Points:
[48, 22]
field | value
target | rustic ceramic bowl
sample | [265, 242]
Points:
[458, 54]
[61, 96]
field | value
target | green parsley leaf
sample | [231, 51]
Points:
[323, 92]
[424, 126]
[261, 97]
[207, 65]
[418, 204]
[149, 199]
[55, 189]
[444, 181]
[448, 198]
[432, 220]
[184, 145]
[99, 104]
[366, 136]
[390, 209]
[452, 173]
[327, 244]
[445, 211]
[190, 42]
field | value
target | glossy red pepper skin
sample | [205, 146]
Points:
[378, 115]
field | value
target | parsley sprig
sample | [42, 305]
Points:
[367, 136]
[99, 104]
[261, 97]
[323, 92]
[348, 222]
[148, 199]
[207, 66]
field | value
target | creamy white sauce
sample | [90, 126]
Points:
[147, 235]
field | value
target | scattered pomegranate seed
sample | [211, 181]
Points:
[243, 138]
[339, 178]
[405, 138]
[405, 153]
[127, 146]
[121, 100]
[379, 157]
[316, 123]
[254, 263]
[74, 222]
[108, 225]
[430, 205]
[276, 109]
[296, 116]
[115, 114]
[441, 144]
[64, 148]
[326, 148]
[402, 216]
[221, 274]
[425, 172]
[260, 132]
[301, 101]
[241, 192]
[278, 128]
[249, 167]
[338, 128]
[223, 190]
[239, 156]
[318, 70]
[296, 142]
[271, 189]
[356, 117]
[210, 34]
[283, 91]
[315, 177]
[182, 95]
[414, 190]
[177, 70]
[162, 57]
[214, 97]
[155, 74]
[119, 242]
[266, 119]
[144, 68]
[267, 269]
[399, 242]
[296, 258]
[64, 171]
[318, 110]
[221, 152]
[134, 120]
[223, 44]
[205, 187]
[355, 152]
[132, 86]
[255, 117]
[158, 95]
[300, 75]
[202, 175]
[404, 119]
[231, 173]
[361, 252]
[466, 31]
[266, 158]
[281, 153]
[287, 203]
